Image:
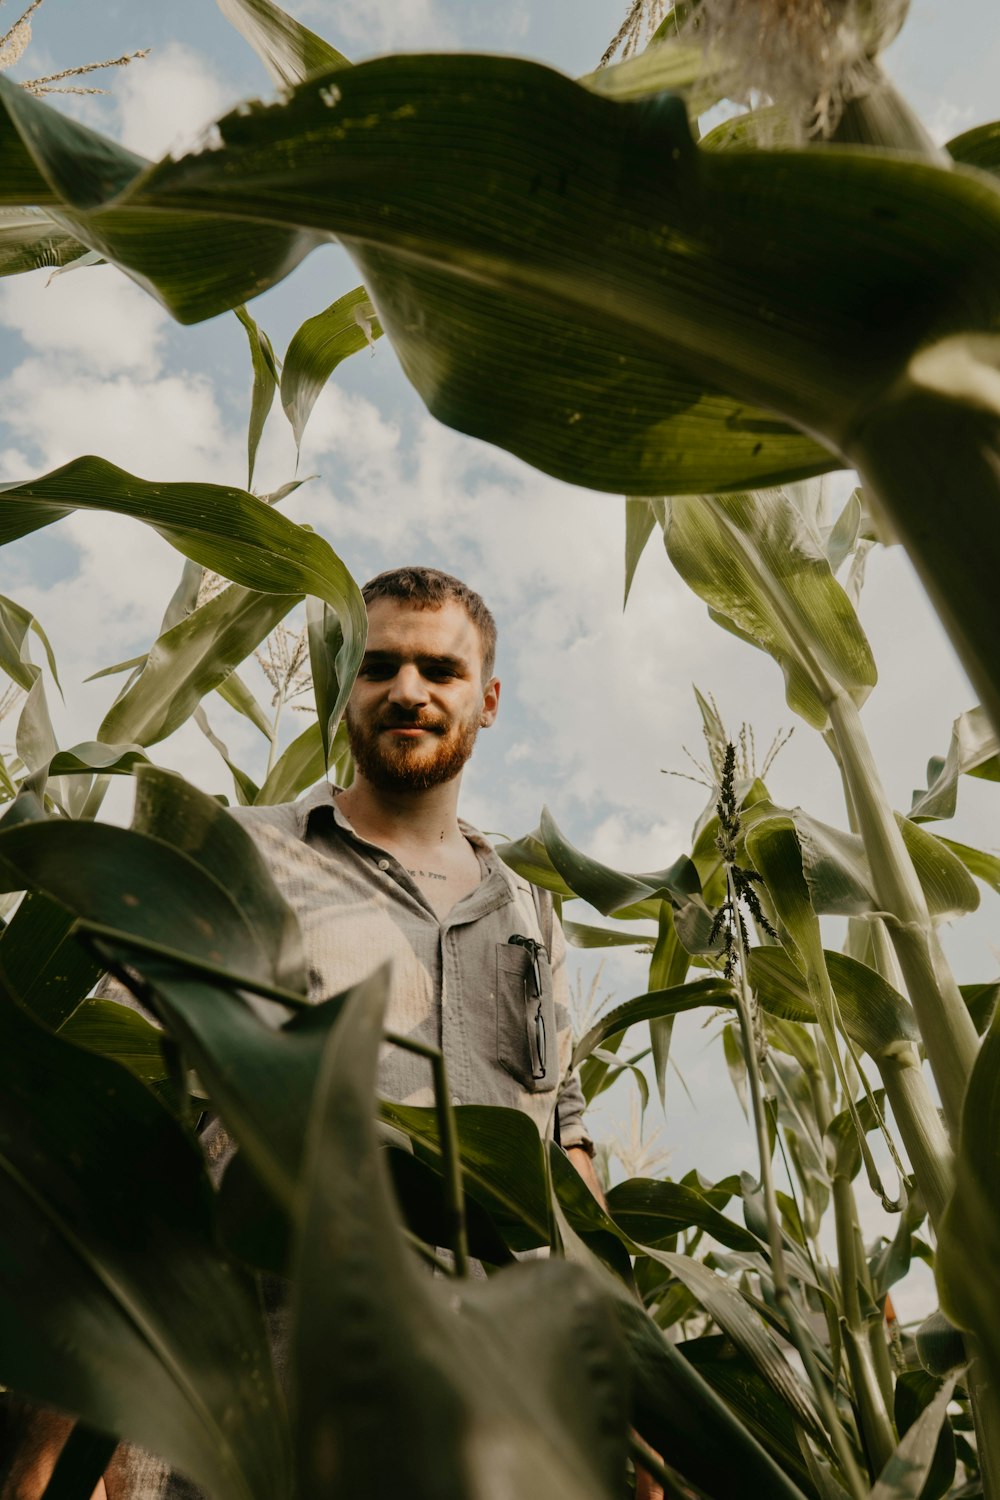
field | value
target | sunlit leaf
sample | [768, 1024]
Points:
[318, 347]
[288, 50]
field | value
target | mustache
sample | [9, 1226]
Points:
[413, 721]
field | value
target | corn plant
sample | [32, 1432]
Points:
[507, 219]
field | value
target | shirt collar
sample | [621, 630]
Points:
[321, 801]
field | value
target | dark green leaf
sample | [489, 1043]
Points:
[30, 239]
[121, 1033]
[876, 1016]
[151, 1334]
[905, 1474]
[49, 972]
[650, 1211]
[531, 1353]
[979, 147]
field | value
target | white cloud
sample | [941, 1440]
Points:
[165, 100]
[94, 315]
[362, 28]
[948, 119]
[167, 428]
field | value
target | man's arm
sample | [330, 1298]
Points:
[584, 1164]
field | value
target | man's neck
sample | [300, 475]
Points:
[414, 819]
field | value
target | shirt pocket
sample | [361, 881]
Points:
[527, 1045]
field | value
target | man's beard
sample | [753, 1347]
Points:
[405, 765]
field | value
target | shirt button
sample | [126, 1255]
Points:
[383, 864]
[455, 1099]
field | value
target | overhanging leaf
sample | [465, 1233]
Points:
[227, 530]
[974, 751]
[265, 382]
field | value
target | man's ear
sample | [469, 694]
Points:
[491, 703]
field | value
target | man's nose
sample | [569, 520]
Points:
[408, 687]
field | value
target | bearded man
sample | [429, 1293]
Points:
[386, 870]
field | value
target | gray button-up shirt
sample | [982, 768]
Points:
[457, 983]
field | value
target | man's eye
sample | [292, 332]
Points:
[440, 674]
[376, 673]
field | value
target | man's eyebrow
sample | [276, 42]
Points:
[423, 659]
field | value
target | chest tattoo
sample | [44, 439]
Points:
[427, 874]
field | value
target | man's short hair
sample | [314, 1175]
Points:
[429, 588]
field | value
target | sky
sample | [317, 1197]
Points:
[598, 707]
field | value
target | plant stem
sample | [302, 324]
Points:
[782, 1288]
[874, 1419]
[945, 1024]
[450, 1156]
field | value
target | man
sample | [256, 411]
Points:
[386, 870]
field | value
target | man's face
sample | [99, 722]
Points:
[419, 700]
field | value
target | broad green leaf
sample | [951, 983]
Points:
[913, 1394]
[758, 567]
[300, 765]
[571, 343]
[48, 971]
[192, 659]
[121, 1033]
[186, 258]
[30, 239]
[729, 1310]
[717, 1359]
[247, 791]
[940, 1345]
[585, 935]
[640, 519]
[978, 147]
[611, 890]
[838, 876]
[265, 383]
[974, 751]
[317, 348]
[876, 1016]
[502, 1164]
[982, 1002]
[227, 530]
[680, 1414]
[529, 857]
[15, 659]
[904, 1475]
[969, 1237]
[977, 861]
[153, 1336]
[137, 885]
[288, 50]
[235, 692]
[452, 1366]
[716, 993]
[650, 1211]
[171, 810]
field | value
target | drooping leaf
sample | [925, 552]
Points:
[289, 51]
[587, 935]
[317, 348]
[877, 1017]
[15, 625]
[904, 1475]
[650, 1007]
[227, 530]
[978, 147]
[974, 751]
[246, 790]
[189, 661]
[265, 383]
[639, 522]
[651, 1211]
[759, 568]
